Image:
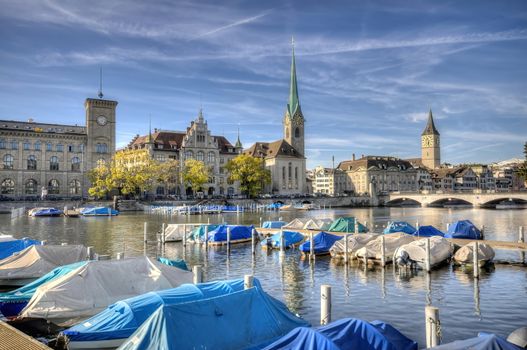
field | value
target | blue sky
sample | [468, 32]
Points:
[368, 71]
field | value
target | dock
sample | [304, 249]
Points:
[13, 339]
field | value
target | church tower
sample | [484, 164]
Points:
[430, 151]
[293, 118]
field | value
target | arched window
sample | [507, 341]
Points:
[54, 163]
[37, 146]
[297, 132]
[189, 155]
[290, 172]
[8, 187]
[283, 173]
[8, 161]
[26, 145]
[31, 163]
[211, 157]
[75, 164]
[53, 186]
[296, 173]
[200, 156]
[75, 187]
[31, 186]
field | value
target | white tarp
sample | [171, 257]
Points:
[296, 224]
[6, 238]
[174, 232]
[37, 260]
[440, 250]
[355, 242]
[89, 289]
[465, 254]
[318, 224]
[392, 241]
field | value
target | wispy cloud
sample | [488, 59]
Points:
[232, 25]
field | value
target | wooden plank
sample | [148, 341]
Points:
[12, 339]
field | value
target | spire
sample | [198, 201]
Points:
[294, 102]
[200, 115]
[238, 142]
[430, 128]
[100, 84]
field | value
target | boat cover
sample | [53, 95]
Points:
[8, 247]
[121, 319]
[347, 224]
[99, 211]
[6, 238]
[323, 242]
[273, 224]
[240, 320]
[237, 232]
[355, 242]
[318, 224]
[47, 212]
[391, 243]
[91, 288]
[345, 334]
[399, 226]
[290, 238]
[199, 231]
[297, 224]
[484, 341]
[428, 231]
[465, 254]
[37, 260]
[179, 263]
[463, 229]
[440, 250]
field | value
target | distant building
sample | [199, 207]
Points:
[329, 181]
[485, 180]
[461, 178]
[505, 174]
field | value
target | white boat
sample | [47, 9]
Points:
[465, 254]
[355, 242]
[373, 249]
[89, 289]
[288, 207]
[175, 232]
[414, 253]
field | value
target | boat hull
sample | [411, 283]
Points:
[96, 344]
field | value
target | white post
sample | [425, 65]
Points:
[109, 211]
[253, 239]
[475, 258]
[260, 221]
[365, 257]
[521, 236]
[184, 235]
[64, 244]
[197, 272]
[44, 242]
[145, 231]
[483, 232]
[427, 257]
[356, 226]
[325, 304]
[120, 256]
[89, 253]
[228, 238]
[206, 240]
[248, 281]
[282, 241]
[447, 226]
[163, 229]
[311, 246]
[417, 224]
[346, 248]
[432, 326]
[383, 251]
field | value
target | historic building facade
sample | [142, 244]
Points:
[53, 159]
[330, 181]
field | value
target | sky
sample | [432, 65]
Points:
[368, 71]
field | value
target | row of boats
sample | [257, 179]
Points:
[86, 211]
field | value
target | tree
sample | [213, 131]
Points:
[250, 172]
[522, 169]
[168, 172]
[100, 178]
[195, 174]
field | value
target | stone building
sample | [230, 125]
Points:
[330, 181]
[430, 145]
[53, 159]
[460, 178]
[506, 177]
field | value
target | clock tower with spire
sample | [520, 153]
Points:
[430, 147]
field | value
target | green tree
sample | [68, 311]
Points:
[100, 179]
[195, 174]
[168, 172]
[522, 169]
[250, 172]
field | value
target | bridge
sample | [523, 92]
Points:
[439, 199]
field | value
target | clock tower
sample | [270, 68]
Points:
[293, 118]
[100, 130]
[430, 147]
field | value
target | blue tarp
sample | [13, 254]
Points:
[48, 212]
[273, 224]
[179, 263]
[122, 318]
[483, 341]
[241, 320]
[290, 238]
[237, 232]
[99, 211]
[323, 242]
[399, 226]
[345, 334]
[428, 231]
[12, 302]
[199, 232]
[9, 247]
[463, 229]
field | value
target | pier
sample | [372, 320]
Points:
[13, 339]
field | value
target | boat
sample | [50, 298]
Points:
[175, 232]
[484, 341]
[355, 242]
[6, 238]
[112, 326]
[288, 207]
[399, 226]
[347, 224]
[45, 212]
[465, 254]
[99, 211]
[373, 249]
[36, 261]
[413, 254]
[318, 224]
[464, 229]
[9, 247]
[247, 319]
[428, 231]
[198, 233]
[296, 224]
[322, 243]
[12, 302]
[238, 234]
[291, 239]
[273, 224]
[345, 334]
[90, 288]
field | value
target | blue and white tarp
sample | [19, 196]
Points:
[290, 238]
[428, 231]
[99, 211]
[399, 226]
[483, 341]
[323, 242]
[237, 232]
[179, 263]
[273, 224]
[7, 248]
[463, 229]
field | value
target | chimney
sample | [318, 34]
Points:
[353, 156]
[362, 156]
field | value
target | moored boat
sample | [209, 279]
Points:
[238, 234]
[296, 224]
[347, 224]
[99, 211]
[465, 254]
[355, 242]
[399, 226]
[413, 254]
[318, 224]
[9, 247]
[45, 212]
[464, 229]
[372, 251]
[322, 243]
[290, 238]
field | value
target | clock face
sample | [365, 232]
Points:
[101, 120]
[427, 141]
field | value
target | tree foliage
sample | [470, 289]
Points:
[250, 172]
[195, 174]
[522, 170]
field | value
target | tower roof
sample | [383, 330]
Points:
[430, 128]
[238, 142]
[294, 103]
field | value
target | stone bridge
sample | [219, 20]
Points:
[442, 199]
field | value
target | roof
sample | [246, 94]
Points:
[430, 128]
[381, 162]
[459, 171]
[273, 149]
[293, 104]
[174, 140]
[42, 127]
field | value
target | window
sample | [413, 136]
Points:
[75, 164]
[37, 146]
[54, 163]
[2, 143]
[53, 186]
[26, 145]
[14, 144]
[200, 156]
[211, 157]
[189, 155]
[283, 173]
[160, 190]
[101, 148]
[31, 163]
[290, 172]
[296, 173]
[31, 186]
[75, 187]
[222, 160]
[8, 187]
[161, 158]
[8, 161]
[230, 191]
[81, 148]
[49, 146]
[297, 132]
[71, 148]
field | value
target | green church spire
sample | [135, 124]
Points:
[294, 102]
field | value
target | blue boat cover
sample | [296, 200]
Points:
[237, 232]
[99, 211]
[399, 226]
[7, 248]
[463, 229]
[345, 334]
[240, 320]
[48, 212]
[199, 232]
[484, 341]
[290, 238]
[122, 318]
[323, 242]
[428, 231]
[347, 224]
[273, 224]
[179, 263]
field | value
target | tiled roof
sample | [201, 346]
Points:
[273, 149]
[380, 162]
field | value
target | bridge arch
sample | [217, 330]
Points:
[402, 201]
[505, 201]
[447, 201]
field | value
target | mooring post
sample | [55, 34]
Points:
[197, 273]
[482, 232]
[447, 226]
[417, 224]
[383, 251]
[346, 248]
[184, 235]
[44, 242]
[311, 246]
[365, 257]
[356, 226]
[253, 241]
[282, 241]
[163, 229]
[325, 304]
[228, 239]
[120, 256]
[109, 211]
[206, 239]
[64, 244]
[432, 326]
[248, 281]
[261, 221]
[476, 260]
[521, 237]
[89, 253]
[145, 232]
[427, 257]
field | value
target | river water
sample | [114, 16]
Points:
[496, 303]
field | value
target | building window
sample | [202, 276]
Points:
[290, 171]
[283, 173]
[230, 191]
[14, 144]
[37, 146]
[189, 155]
[211, 157]
[101, 148]
[297, 132]
[60, 147]
[161, 158]
[8, 186]
[26, 145]
[222, 160]
[54, 163]
[31, 186]
[160, 190]
[8, 161]
[81, 148]
[296, 173]
[53, 186]
[200, 156]
[2, 143]
[75, 164]
[71, 148]
[49, 146]
[31, 163]
[75, 187]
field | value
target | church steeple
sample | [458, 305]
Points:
[293, 103]
[430, 128]
[430, 144]
[238, 142]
